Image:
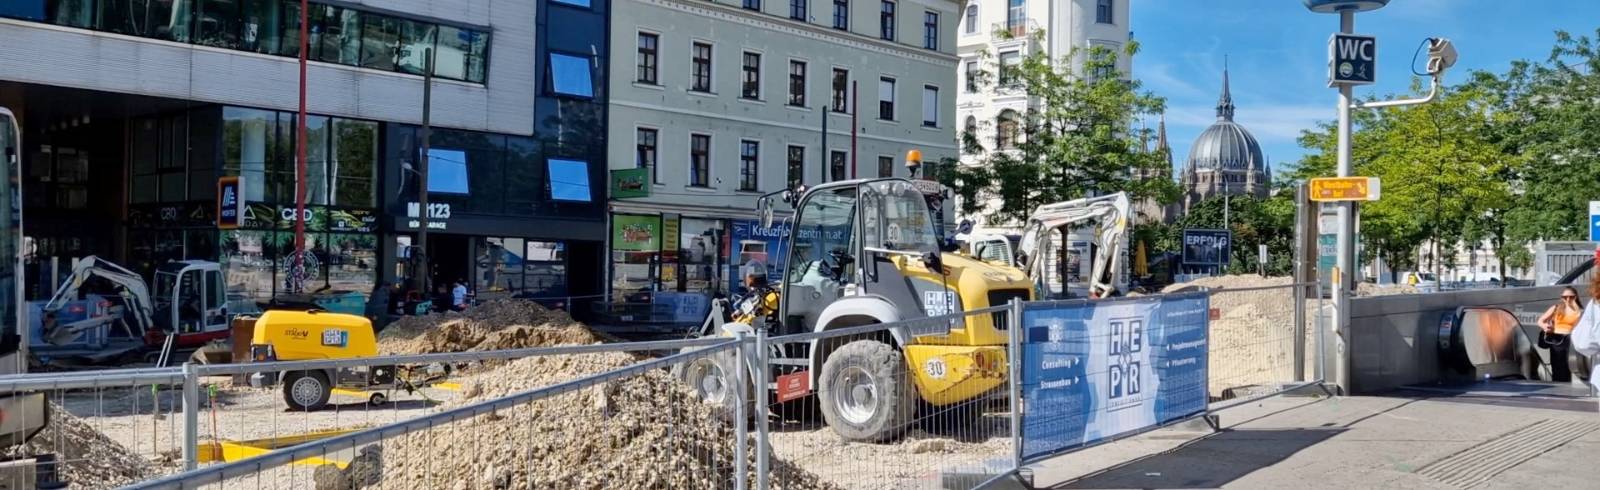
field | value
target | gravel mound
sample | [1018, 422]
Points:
[89, 458]
[645, 432]
[491, 325]
[1369, 289]
[1252, 341]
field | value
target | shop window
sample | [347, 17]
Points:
[635, 256]
[699, 243]
[569, 180]
[545, 270]
[355, 155]
[447, 171]
[352, 262]
[248, 263]
[316, 160]
[571, 75]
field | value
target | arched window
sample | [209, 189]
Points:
[971, 127]
[1007, 128]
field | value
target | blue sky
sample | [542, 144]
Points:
[1277, 55]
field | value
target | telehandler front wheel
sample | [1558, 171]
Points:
[306, 390]
[866, 392]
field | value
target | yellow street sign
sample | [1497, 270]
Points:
[1332, 189]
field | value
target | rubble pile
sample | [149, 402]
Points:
[88, 459]
[1252, 338]
[491, 325]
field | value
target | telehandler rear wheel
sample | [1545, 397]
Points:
[306, 390]
[866, 392]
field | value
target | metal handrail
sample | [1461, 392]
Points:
[222, 472]
[450, 357]
[101, 379]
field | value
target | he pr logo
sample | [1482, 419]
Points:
[1124, 366]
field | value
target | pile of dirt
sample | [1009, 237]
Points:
[491, 325]
[645, 431]
[1369, 289]
[1252, 336]
[88, 458]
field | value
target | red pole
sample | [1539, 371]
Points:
[855, 106]
[300, 158]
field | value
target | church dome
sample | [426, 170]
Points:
[1226, 145]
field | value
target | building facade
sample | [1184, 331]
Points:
[997, 35]
[716, 103]
[1225, 159]
[143, 107]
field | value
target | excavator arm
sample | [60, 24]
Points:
[1110, 216]
[135, 294]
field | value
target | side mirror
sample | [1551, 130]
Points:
[965, 227]
[764, 210]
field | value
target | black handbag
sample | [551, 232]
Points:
[1551, 340]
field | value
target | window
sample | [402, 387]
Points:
[700, 160]
[569, 180]
[886, 21]
[930, 30]
[886, 99]
[930, 170]
[701, 78]
[380, 37]
[972, 19]
[1006, 130]
[797, 83]
[841, 14]
[355, 156]
[1017, 18]
[645, 152]
[838, 163]
[571, 75]
[930, 106]
[648, 51]
[885, 166]
[972, 77]
[797, 9]
[461, 54]
[447, 172]
[751, 86]
[1010, 63]
[1102, 12]
[841, 90]
[749, 165]
[752, 4]
[797, 166]
[575, 3]
[970, 129]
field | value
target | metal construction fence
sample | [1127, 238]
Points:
[942, 402]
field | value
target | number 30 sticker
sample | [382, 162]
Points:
[935, 368]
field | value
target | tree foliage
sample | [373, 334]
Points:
[1078, 138]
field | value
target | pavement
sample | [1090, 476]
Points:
[1413, 438]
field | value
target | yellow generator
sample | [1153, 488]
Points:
[309, 335]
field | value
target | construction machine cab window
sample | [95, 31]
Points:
[895, 217]
[820, 261]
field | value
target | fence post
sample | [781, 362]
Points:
[1299, 331]
[1014, 371]
[191, 417]
[741, 416]
[763, 446]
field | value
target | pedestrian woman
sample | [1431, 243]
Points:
[1555, 326]
[1586, 336]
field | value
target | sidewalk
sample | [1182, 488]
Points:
[1409, 440]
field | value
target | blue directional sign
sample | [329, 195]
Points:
[1594, 221]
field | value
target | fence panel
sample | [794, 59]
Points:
[104, 430]
[863, 408]
[1253, 341]
[628, 426]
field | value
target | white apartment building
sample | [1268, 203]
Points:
[995, 34]
[723, 101]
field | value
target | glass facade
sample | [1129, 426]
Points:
[338, 34]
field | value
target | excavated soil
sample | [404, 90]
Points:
[645, 431]
[88, 458]
[1252, 341]
[491, 325]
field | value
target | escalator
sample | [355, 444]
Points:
[1487, 356]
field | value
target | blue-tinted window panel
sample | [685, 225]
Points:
[447, 171]
[569, 180]
[25, 9]
[570, 75]
[575, 3]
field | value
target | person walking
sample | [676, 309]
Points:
[458, 295]
[1585, 336]
[1555, 326]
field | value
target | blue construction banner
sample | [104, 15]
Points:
[1096, 370]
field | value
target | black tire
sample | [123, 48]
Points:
[313, 388]
[866, 392]
[711, 379]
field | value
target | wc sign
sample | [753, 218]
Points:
[1352, 59]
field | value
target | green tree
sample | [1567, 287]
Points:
[1077, 138]
[1252, 221]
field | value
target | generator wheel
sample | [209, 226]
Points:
[712, 379]
[378, 399]
[866, 392]
[306, 390]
